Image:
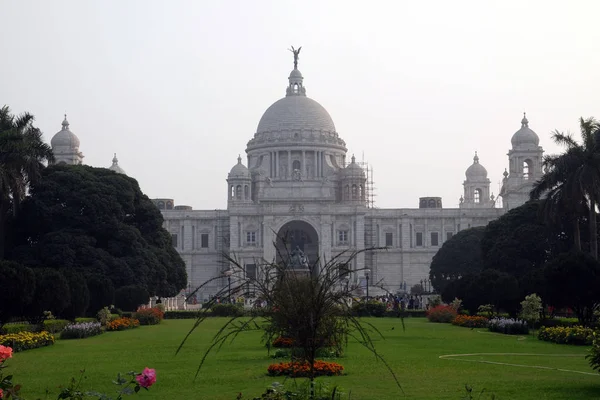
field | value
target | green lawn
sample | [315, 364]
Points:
[241, 367]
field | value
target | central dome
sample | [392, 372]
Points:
[295, 113]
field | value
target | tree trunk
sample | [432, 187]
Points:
[593, 228]
[576, 234]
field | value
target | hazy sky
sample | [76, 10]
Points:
[176, 88]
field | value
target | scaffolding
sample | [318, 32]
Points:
[370, 194]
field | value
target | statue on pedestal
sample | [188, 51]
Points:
[298, 259]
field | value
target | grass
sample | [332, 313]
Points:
[241, 367]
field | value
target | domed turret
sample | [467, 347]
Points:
[353, 169]
[115, 166]
[65, 146]
[525, 137]
[353, 183]
[240, 184]
[476, 170]
[239, 170]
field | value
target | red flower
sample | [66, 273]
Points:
[146, 378]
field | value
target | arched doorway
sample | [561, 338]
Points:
[299, 234]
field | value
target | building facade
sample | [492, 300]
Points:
[299, 182]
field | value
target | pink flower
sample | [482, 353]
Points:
[5, 352]
[146, 378]
[1, 394]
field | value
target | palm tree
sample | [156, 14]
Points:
[571, 183]
[23, 155]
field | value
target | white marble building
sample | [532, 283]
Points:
[298, 179]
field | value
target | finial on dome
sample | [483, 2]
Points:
[476, 158]
[524, 121]
[505, 173]
[65, 123]
[239, 159]
[296, 55]
[115, 160]
[353, 159]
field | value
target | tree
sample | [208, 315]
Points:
[457, 257]
[17, 290]
[23, 154]
[531, 309]
[489, 286]
[129, 298]
[52, 293]
[573, 280]
[99, 223]
[572, 179]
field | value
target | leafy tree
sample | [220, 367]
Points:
[129, 298]
[79, 294]
[459, 256]
[23, 153]
[572, 180]
[99, 223]
[52, 293]
[489, 286]
[531, 309]
[17, 290]
[573, 280]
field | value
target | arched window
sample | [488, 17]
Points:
[347, 192]
[232, 194]
[527, 169]
[354, 192]
[295, 88]
[477, 196]
[238, 192]
[161, 205]
[246, 192]
[360, 192]
[296, 165]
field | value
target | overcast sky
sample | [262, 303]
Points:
[176, 88]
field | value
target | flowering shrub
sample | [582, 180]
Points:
[26, 340]
[299, 369]
[594, 356]
[149, 316]
[122, 324]
[567, 335]
[441, 313]
[81, 330]
[17, 327]
[54, 325]
[470, 322]
[283, 342]
[509, 326]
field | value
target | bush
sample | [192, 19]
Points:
[508, 326]
[85, 319]
[81, 330]
[16, 296]
[122, 323]
[594, 356]
[102, 292]
[470, 322]
[130, 298]
[54, 325]
[297, 369]
[577, 335]
[149, 316]
[104, 316]
[183, 314]
[18, 327]
[79, 293]
[52, 293]
[370, 309]
[227, 310]
[27, 340]
[283, 342]
[552, 322]
[444, 314]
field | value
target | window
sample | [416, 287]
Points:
[354, 192]
[419, 238]
[238, 192]
[174, 239]
[246, 192]
[389, 239]
[477, 196]
[449, 235]
[296, 165]
[251, 238]
[434, 239]
[527, 170]
[251, 271]
[204, 240]
[343, 236]
[232, 191]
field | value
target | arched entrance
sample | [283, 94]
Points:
[299, 234]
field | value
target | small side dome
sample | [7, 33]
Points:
[476, 171]
[525, 136]
[295, 74]
[65, 138]
[353, 169]
[239, 170]
[115, 166]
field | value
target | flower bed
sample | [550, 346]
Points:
[81, 330]
[470, 322]
[283, 342]
[121, 324]
[26, 340]
[508, 326]
[302, 369]
[17, 327]
[55, 325]
[441, 313]
[149, 316]
[577, 335]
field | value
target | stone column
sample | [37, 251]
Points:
[303, 167]
[289, 171]
[277, 163]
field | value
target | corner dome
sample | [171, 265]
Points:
[239, 170]
[476, 171]
[295, 113]
[115, 166]
[64, 137]
[525, 136]
[353, 169]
